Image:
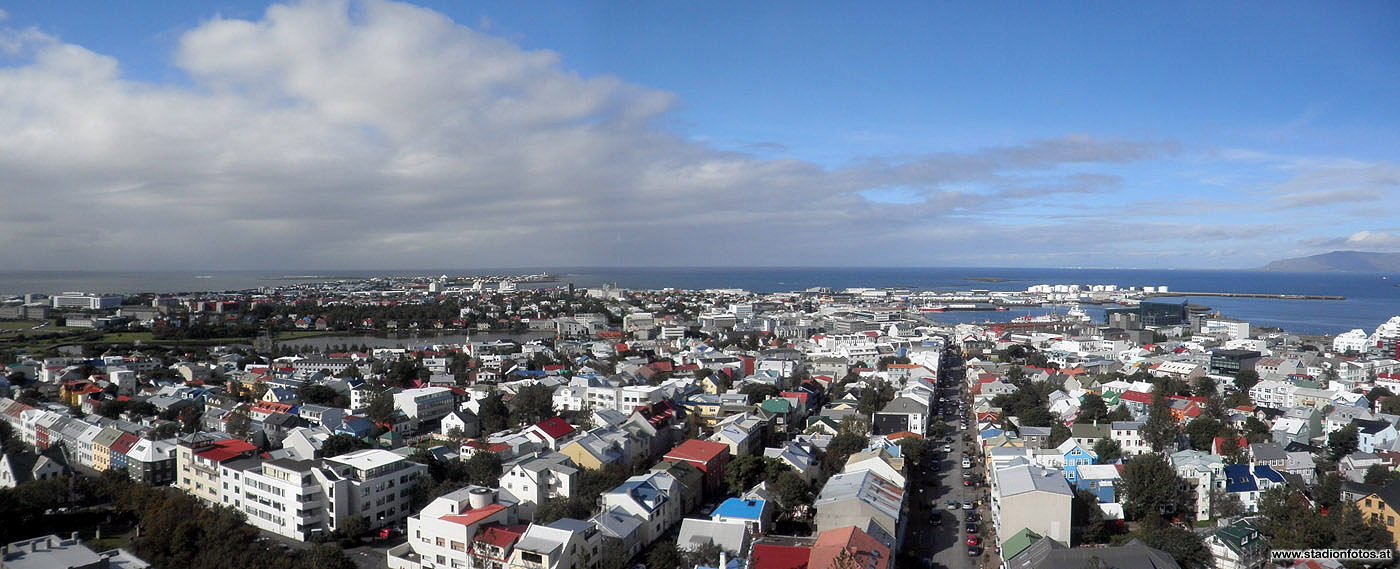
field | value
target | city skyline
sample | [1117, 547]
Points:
[350, 135]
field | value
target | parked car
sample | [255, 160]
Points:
[974, 551]
[967, 505]
[971, 528]
[973, 541]
[952, 504]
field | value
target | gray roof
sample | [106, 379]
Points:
[1126, 425]
[695, 533]
[905, 405]
[1267, 451]
[1132, 555]
[1027, 478]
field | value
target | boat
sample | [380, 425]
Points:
[933, 308]
[204, 276]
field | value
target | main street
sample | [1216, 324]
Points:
[941, 481]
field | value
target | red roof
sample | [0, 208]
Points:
[767, 556]
[500, 536]
[225, 450]
[865, 550]
[696, 450]
[1136, 397]
[476, 516]
[800, 396]
[556, 427]
[124, 443]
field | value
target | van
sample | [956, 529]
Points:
[966, 463]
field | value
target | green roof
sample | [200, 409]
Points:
[777, 405]
[1018, 543]
[1237, 535]
[1111, 399]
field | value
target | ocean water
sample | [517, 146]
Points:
[1370, 298]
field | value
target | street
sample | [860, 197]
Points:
[944, 546]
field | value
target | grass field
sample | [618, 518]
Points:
[17, 324]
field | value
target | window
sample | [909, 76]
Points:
[441, 542]
[458, 546]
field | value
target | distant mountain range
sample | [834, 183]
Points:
[1340, 262]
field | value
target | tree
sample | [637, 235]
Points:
[757, 392]
[1379, 475]
[317, 394]
[874, 397]
[1091, 409]
[1119, 413]
[1159, 431]
[792, 490]
[494, 414]
[1108, 450]
[1343, 441]
[1351, 530]
[532, 404]
[1152, 488]
[1377, 393]
[1256, 431]
[913, 450]
[665, 555]
[1225, 504]
[1391, 405]
[1187, 547]
[483, 469]
[1036, 417]
[336, 445]
[744, 472]
[326, 556]
[355, 527]
[381, 409]
[1205, 386]
[841, 447]
[1230, 448]
[1285, 517]
[1246, 379]
[1059, 433]
[1086, 514]
[1202, 432]
[9, 441]
[1328, 492]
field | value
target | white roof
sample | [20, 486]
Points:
[367, 459]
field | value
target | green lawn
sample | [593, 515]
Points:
[18, 324]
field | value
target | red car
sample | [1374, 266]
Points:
[973, 541]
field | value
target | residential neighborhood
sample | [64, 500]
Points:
[730, 429]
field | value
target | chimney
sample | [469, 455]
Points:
[75, 537]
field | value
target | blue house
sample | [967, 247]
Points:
[1075, 456]
[1101, 480]
[756, 514]
[1248, 482]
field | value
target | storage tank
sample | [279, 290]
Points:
[481, 497]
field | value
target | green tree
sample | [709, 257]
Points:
[1390, 405]
[792, 490]
[757, 392]
[1256, 431]
[1230, 448]
[483, 469]
[317, 394]
[336, 445]
[1377, 393]
[1351, 530]
[841, 447]
[1086, 516]
[532, 404]
[1159, 431]
[1119, 413]
[1202, 432]
[874, 397]
[1059, 433]
[744, 472]
[1246, 379]
[1108, 450]
[1187, 547]
[665, 555]
[381, 409]
[1225, 504]
[1151, 488]
[1205, 386]
[1036, 417]
[326, 556]
[1379, 474]
[1328, 492]
[913, 450]
[355, 527]
[494, 414]
[1343, 441]
[1288, 521]
[1092, 409]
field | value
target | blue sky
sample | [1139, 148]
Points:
[788, 133]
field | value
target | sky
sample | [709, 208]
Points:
[383, 135]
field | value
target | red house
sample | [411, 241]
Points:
[708, 457]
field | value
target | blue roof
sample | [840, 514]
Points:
[1239, 479]
[1268, 472]
[741, 509]
[989, 433]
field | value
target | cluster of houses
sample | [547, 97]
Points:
[678, 407]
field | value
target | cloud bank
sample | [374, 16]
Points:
[381, 135]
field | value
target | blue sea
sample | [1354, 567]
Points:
[1370, 298]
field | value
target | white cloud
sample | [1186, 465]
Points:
[378, 135]
[1361, 240]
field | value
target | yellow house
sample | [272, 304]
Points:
[102, 449]
[705, 408]
[593, 452]
[1383, 507]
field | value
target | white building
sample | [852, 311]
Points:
[86, 301]
[425, 403]
[1354, 341]
[441, 535]
[534, 481]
